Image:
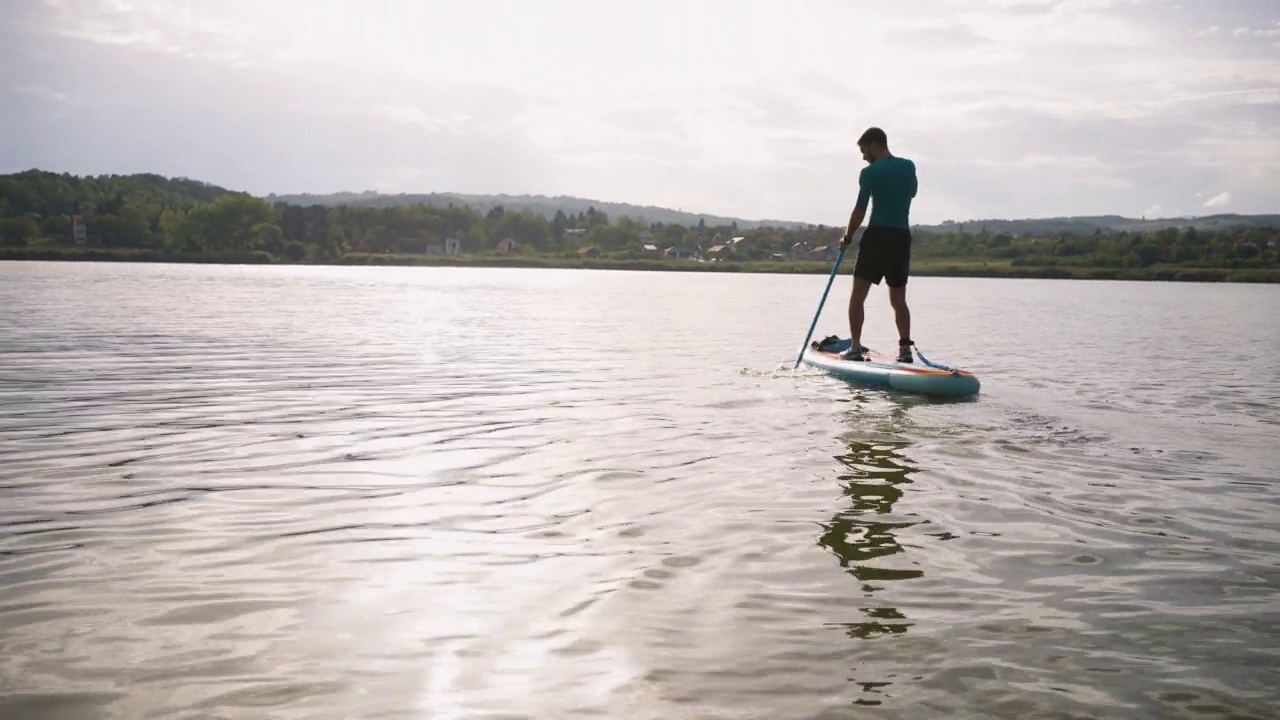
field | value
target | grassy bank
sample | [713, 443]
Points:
[74, 254]
[921, 267]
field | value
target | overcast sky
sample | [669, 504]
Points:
[1013, 108]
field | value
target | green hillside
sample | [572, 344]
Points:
[546, 206]
[1088, 225]
[148, 217]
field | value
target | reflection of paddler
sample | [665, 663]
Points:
[856, 534]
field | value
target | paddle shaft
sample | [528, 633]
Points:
[821, 302]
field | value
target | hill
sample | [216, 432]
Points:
[144, 217]
[547, 206]
[1104, 224]
[544, 205]
[50, 194]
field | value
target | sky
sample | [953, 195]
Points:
[744, 108]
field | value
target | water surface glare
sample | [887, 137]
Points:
[324, 492]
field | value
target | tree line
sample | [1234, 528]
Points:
[1239, 247]
[187, 218]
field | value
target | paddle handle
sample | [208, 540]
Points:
[821, 302]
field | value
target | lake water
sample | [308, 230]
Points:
[321, 492]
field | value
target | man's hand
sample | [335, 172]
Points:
[848, 238]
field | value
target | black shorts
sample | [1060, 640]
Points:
[884, 252]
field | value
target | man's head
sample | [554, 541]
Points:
[873, 144]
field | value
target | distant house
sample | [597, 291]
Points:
[682, 252]
[716, 251]
[450, 246]
[506, 245]
[588, 251]
[80, 228]
[574, 233]
[650, 249]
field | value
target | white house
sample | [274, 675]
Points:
[80, 228]
[682, 252]
[450, 246]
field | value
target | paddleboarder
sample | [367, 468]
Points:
[888, 183]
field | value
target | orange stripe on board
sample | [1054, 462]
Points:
[901, 366]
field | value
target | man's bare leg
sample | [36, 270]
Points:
[856, 300]
[901, 314]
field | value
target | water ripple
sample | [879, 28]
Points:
[454, 493]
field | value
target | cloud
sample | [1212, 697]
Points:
[1270, 32]
[1011, 108]
[265, 133]
[205, 30]
[1220, 200]
[43, 92]
[950, 36]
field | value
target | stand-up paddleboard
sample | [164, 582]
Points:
[878, 370]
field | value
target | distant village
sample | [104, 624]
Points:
[719, 248]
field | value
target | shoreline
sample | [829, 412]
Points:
[921, 267]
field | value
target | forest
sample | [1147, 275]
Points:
[150, 217]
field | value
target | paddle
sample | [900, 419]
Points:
[822, 302]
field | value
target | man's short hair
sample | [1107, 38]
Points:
[874, 135]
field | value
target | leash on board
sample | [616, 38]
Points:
[934, 365]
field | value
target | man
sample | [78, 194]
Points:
[889, 183]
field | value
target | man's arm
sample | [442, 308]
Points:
[859, 210]
[855, 221]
